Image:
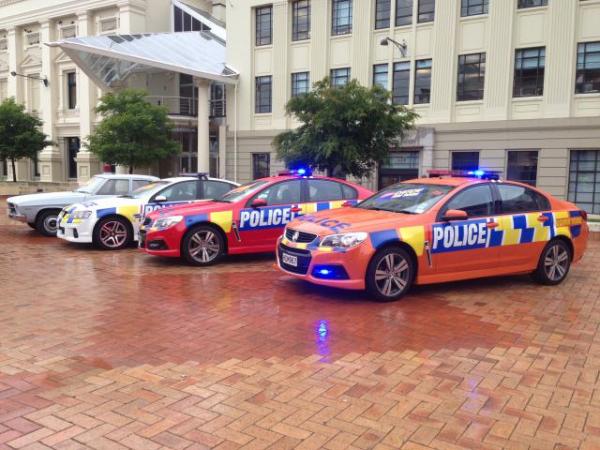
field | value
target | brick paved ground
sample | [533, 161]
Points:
[119, 350]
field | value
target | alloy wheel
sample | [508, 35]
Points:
[392, 274]
[50, 224]
[556, 262]
[204, 246]
[113, 234]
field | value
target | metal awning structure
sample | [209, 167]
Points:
[110, 60]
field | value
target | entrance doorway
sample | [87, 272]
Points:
[402, 165]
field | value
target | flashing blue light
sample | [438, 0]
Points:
[301, 171]
[324, 272]
[477, 173]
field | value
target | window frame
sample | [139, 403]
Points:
[376, 73]
[454, 152]
[71, 89]
[396, 79]
[468, 6]
[425, 8]
[579, 86]
[521, 151]
[383, 14]
[521, 4]
[518, 76]
[416, 74]
[259, 13]
[294, 91]
[332, 77]
[261, 82]
[297, 33]
[408, 18]
[499, 210]
[577, 172]
[254, 164]
[462, 72]
[171, 186]
[269, 186]
[338, 29]
[444, 208]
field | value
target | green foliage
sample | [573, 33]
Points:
[20, 134]
[133, 132]
[346, 130]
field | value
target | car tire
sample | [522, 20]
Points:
[32, 225]
[112, 233]
[390, 274]
[203, 246]
[46, 222]
[554, 264]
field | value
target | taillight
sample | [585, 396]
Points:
[583, 215]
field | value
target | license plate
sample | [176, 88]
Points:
[289, 260]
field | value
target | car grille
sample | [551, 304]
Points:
[12, 209]
[303, 238]
[303, 259]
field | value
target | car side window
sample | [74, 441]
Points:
[115, 186]
[515, 199]
[349, 192]
[476, 201]
[324, 191]
[136, 184]
[284, 193]
[180, 192]
[215, 189]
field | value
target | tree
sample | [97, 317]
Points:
[20, 135]
[133, 131]
[346, 130]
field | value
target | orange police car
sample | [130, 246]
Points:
[437, 229]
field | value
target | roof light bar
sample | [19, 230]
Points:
[479, 173]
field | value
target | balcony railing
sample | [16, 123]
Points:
[186, 106]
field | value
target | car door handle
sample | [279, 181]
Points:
[492, 224]
[543, 219]
[296, 209]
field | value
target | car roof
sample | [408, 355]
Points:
[178, 179]
[446, 181]
[126, 176]
[299, 177]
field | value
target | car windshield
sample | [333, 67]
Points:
[148, 190]
[241, 192]
[407, 198]
[91, 186]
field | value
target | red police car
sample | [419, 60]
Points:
[248, 219]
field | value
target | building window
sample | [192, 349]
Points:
[532, 3]
[263, 94]
[340, 77]
[380, 75]
[401, 85]
[71, 90]
[188, 96]
[423, 81]
[400, 166]
[584, 180]
[301, 20]
[426, 11]
[73, 145]
[261, 165]
[404, 12]
[529, 72]
[264, 25]
[382, 14]
[182, 21]
[465, 161]
[300, 83]
[473, 7]
[218, 100]
[588, 68]
[341, 17]
[522, 166]
[471, 77]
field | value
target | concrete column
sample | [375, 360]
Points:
[50, 159]
[218, 10]
[222, 151]
[203, 122]
[15, 55]
[87, 163]
[132, 16]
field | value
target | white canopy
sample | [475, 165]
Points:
[111, 59]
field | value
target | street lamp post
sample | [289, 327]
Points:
[402, 46]
[33, 77]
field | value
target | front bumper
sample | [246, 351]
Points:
[352, 265]
[14, 214]
[80, 231]
[165, 243]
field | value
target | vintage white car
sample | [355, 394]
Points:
[41, 210]
[113, 223]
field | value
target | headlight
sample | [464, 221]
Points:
[345, 240]
[81, 214]
[163, 223]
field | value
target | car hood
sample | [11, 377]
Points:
[48, 198]
[106, 202]
[353, 219]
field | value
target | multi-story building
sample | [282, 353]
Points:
[58, 89]
[505, 85]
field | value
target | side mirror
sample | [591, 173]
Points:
[259, 203]
[455, 214]
[160, 199]
[348, 204]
